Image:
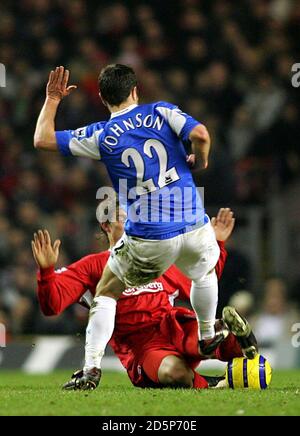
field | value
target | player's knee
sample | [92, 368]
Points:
[175, 373]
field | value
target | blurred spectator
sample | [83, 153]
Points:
[243, 301]
[274, 321]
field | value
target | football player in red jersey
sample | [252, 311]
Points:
[156, 342]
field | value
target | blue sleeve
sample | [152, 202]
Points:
[63, 139]
[180, 122]
[82, 142]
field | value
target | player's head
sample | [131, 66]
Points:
[111, 218]
[117, 85]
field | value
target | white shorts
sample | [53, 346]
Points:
[137, 261]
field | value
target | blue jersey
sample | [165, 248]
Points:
[143, 150]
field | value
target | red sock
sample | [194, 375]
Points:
[199, 381]
[229, 349]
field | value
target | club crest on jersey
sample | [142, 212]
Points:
[80, 132]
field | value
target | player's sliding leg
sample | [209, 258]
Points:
[100, 326]
[242, 330]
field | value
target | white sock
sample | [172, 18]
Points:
[99, 330]
[204, 299]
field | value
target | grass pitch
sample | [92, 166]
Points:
[22, 394]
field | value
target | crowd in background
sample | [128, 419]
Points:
[227, 63]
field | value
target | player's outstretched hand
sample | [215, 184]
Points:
[44, 253]
[57, 86]
[223, 224]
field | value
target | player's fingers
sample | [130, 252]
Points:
[220, 215]
[230, 228]
[41, 237]
[228, 217]
[36, 241]
[34, 252]
[232, 224]
[60, 77]
[65, 78]
[55, 76]
[71, 88]
[33, 247]
[50, 79]
[224, 215]
[56, 246]
[213, 221]
[47, 237]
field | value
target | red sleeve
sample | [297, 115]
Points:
[59, 289]
[222, 259]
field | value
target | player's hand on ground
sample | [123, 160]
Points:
[223, 224]
[44, 253]
[57, 86]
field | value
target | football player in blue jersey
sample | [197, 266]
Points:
[143, 149]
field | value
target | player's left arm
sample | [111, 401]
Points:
[57, 89]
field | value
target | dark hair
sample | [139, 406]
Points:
[116, 81]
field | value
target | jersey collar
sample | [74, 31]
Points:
[123, 111]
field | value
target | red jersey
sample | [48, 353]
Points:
[138, 309]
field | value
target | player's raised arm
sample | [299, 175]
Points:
[58, 290]
[57, 89]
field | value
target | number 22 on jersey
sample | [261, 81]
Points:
[165, 176]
